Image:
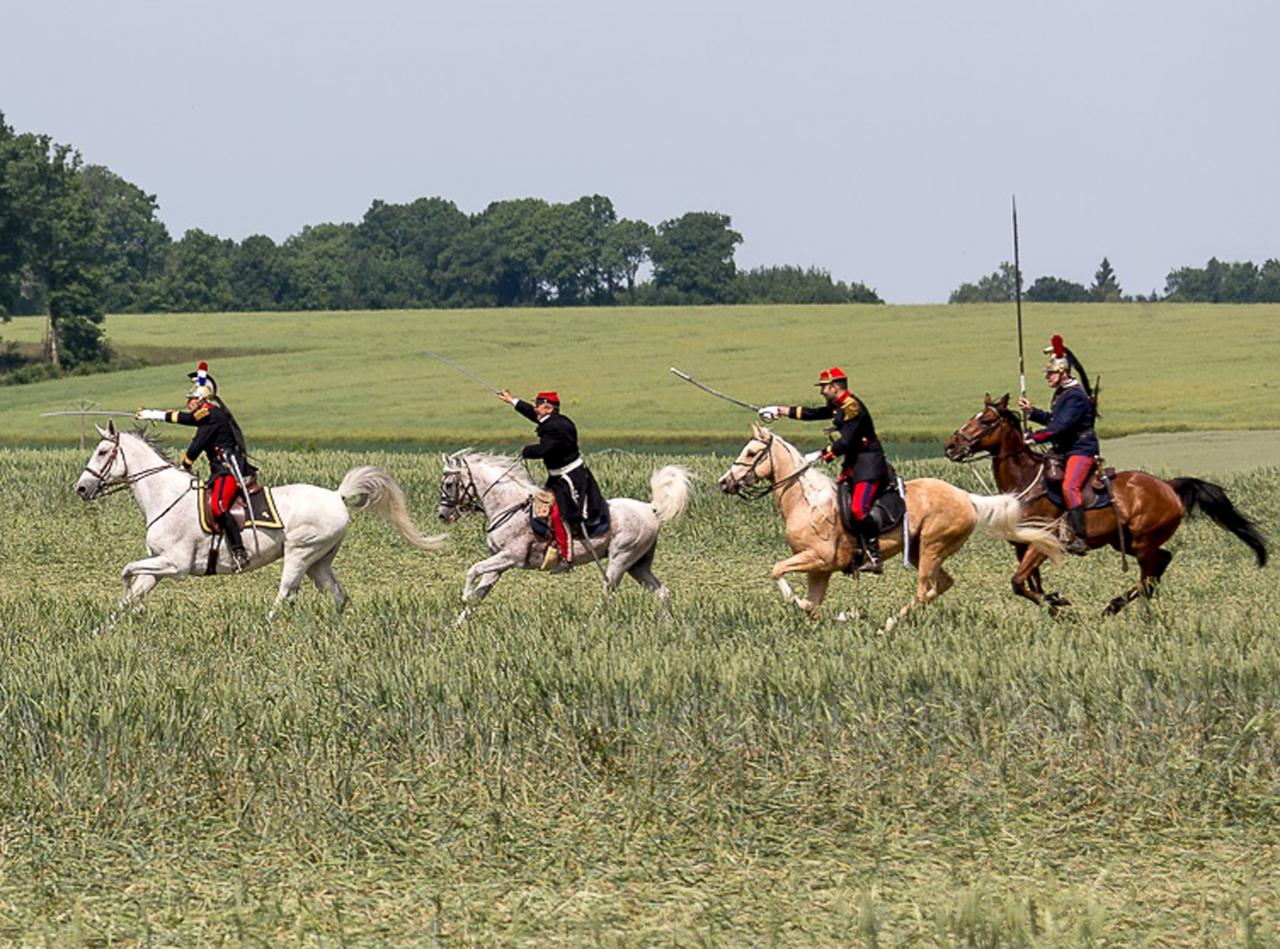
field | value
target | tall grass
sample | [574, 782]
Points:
[738, 774]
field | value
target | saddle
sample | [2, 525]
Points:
[540, 516]
[264, 514]
[886, 511]
[1094, 494]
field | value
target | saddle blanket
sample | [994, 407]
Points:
[265, 515]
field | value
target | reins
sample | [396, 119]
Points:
[107, 486]
[765, 486]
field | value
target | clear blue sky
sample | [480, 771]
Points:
[881, 141]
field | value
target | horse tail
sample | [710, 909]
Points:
[379, 492]
[1000, 515]
[671, 490]
[1213, 500]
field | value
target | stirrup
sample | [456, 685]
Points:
[551, 559]
[871, 564]
[1076, 545]
[239, 560]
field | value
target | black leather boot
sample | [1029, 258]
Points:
[1075, 522]
[871, 562]
[235, 543]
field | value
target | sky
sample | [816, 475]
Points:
[882, 141]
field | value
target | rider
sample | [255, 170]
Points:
[853, 439]
[579, 505]
[218, 436]
[1069, 428]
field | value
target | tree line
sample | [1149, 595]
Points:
[1215, 282]
[78, 241]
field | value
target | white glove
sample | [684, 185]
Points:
[812, 457]
[151, 415]
[770, 412]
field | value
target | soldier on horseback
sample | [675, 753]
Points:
[853, 439]
[219, 438]
[579, 505]
[1069, 429]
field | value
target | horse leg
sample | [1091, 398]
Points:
[805, 560]
[819, 580]
[481, 577]
[322, 575]
[933, 582]
[296, 564]
[1028, 567]
[141, 576]
[642, 572]
[1153, 562]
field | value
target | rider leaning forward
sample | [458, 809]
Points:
[853, 440]
[579, 506]
[219, 438]
[1069, 429]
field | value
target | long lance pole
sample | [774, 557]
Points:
[1017, 296]
[462, 369]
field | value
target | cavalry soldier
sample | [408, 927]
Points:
[853, 440]
[579, 505]
[219, 438]
[1069, 429]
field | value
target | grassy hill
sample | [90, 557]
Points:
[358, 378]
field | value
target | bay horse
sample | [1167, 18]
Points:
[940, 518]
[498, 486]
[1151, 508]
[314, 518]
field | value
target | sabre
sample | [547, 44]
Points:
[1017, 295]
[710, 391]
[88, 412]
[462, 369]
[249, 520]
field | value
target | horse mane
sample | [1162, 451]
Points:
[818, 487]
[151, 439]
[515, 472]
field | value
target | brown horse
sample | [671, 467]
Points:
[940, 518]
[1151, 507]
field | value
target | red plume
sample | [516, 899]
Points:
[204, 366]
[1058, 349]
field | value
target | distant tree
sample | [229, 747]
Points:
[197, 275]
[1056, 290]
[788, 284]
[1269, 282]
[1219, 282]
[693, 255]
[999, 287]
[259, 274]
[135, 242]
[53, 243]
[1105, 289]
[320, 264]
[398, 249]
[626, 248]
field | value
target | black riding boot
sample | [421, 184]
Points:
[1075, 522]
[871, 562]
[239, 556]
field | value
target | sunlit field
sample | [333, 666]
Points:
[556, 772]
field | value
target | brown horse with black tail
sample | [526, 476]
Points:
[1150, 507]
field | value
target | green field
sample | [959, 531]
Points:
[358, 379]
[984, 776]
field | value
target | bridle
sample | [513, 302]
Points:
[762, 487]
[108, 486]
[469, 498]
[971, 456]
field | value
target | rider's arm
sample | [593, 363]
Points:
[198, 444]
[525, 409]
[1039, 416]
[188, 418]
[1067, 415]
[806, 414]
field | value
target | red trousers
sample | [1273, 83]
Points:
[1073, 481]
[560, 533]
[864, 493]
[222, 494]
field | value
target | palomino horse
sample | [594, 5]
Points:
[314, 518]
[498, 486]
[940, 519]
[1152, 508]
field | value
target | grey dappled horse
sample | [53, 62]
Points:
[499, 486]
[315, 519]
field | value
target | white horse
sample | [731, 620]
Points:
[498, 486]
[315, 519]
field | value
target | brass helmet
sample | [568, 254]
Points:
[1058, 361]
[203, 387]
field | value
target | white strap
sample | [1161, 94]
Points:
[576, 463]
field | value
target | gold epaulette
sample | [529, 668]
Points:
[200, 413]
[849, 411]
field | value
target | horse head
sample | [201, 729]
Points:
[982, 433]
[457, 487]
[753, 464]
[104, 466]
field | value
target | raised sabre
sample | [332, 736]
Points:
[464, 370]
[710, 391]
[89, 412]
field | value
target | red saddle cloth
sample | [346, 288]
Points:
[264, 516]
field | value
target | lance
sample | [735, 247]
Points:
[1017, 295]
[710, 391]
[464, 370]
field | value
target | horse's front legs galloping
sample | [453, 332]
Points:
[480, 580]
[141, 576]
[811, 563]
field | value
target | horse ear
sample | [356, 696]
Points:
[102, 432]
[986, 398]
[1004, 401]
[111, 426]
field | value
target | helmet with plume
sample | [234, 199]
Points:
[203, 385]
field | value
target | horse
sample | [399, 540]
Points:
[940, 518]
[498, 486]
[1151, 508]
[314, 518]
